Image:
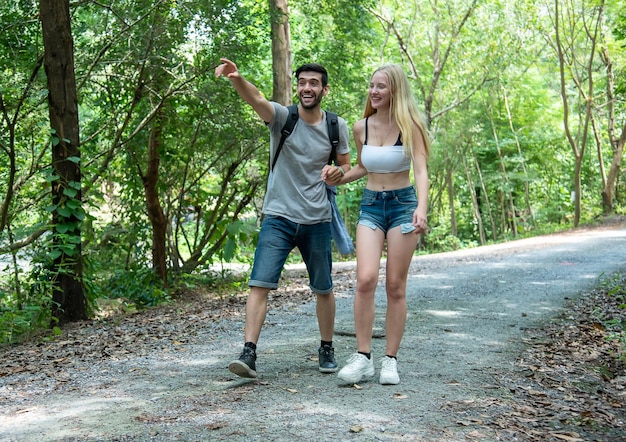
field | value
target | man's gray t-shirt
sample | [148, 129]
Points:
[295, 189]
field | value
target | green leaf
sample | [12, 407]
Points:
[73, 204]
[70, 192]
[62, 228]
[234, 228]
[64, 211]
[229, 250]
[69, 250]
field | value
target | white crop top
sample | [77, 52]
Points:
[384, 159]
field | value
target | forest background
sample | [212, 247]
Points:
[128, 171]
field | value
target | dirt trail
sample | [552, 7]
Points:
[162, 375]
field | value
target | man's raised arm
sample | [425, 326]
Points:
[246, 90]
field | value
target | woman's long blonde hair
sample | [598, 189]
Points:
[402, 107]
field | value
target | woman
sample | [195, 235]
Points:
[390, 139]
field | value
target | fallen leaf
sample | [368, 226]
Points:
[469, 422]
[537, 393]
[598, 326]
[571, 437]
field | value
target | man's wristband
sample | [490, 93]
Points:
[341, 170]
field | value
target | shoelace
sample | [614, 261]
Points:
[354, 358]
[388, 363]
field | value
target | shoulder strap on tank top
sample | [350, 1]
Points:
[399, 140]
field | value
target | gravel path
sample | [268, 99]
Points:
[162, 376]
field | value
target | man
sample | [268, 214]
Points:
[297, 211]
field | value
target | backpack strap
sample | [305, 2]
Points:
[292, 119]
[333, 134]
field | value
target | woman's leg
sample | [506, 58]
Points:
[369, 245]
[400, 249]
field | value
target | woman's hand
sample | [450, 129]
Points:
[420, 221]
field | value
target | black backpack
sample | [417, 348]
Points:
[333, 132]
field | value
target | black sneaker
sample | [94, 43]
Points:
[327, 359]
[245, 366]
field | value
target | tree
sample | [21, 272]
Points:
[281, 51]
[576, 34]
[67, 214]
[616, 141]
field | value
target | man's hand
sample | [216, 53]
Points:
[331, 175]
[228, 69]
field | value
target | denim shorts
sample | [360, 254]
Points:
[277, 238]
[388, 209]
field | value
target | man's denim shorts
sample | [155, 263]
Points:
[277, 238]
[388, 209]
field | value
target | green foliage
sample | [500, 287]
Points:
[346, 54]
[20, 315]
[439, 239]
[137, 287]
[221, 282]
[15, 322]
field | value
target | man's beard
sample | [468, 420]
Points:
[313, 105]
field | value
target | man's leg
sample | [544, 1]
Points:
[256, 310]
[326, 316]
[315, 247]
[272, 250]
[325, 310]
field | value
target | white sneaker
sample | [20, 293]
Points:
[389, 371]
[357, 368]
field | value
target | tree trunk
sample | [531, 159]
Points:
[450, 186]
[153, 203]
[509, 214]
[522, 161]
[281, 51]
[483, 201]
[617, 144]
[68, 292]
[475, 205]
[618, 153]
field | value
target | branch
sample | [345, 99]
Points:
[25, 242]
